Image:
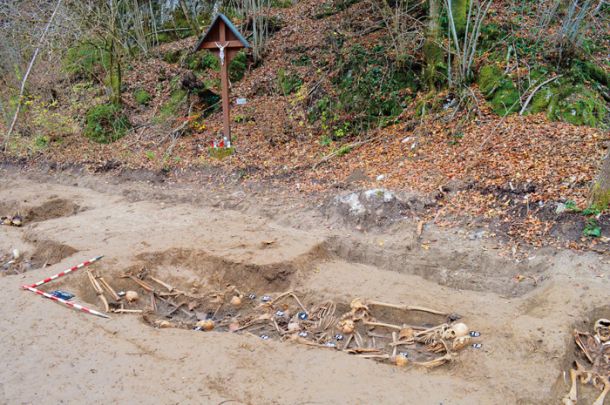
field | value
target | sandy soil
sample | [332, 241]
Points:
[189, 234]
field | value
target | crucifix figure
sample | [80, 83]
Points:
[221, 52]
[225, 40]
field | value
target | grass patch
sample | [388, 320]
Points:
[142, 96]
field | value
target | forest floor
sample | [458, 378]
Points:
[267, 239]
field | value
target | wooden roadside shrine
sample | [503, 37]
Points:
[224, 40]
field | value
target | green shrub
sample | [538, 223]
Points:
[41, 142]
[142, 96]
[106, 123]
[172, 56]
[288, 82]
[210, 61]
[84, 59]
[238, 66]
[370, 90]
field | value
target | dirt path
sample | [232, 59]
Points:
[188, 235]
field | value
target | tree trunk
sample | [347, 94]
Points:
[27, 74]
[600, 192]
[187, 16]
[459, 10]
[433, 53]
[114, 74]
[114, 71]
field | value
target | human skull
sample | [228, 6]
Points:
[602, 329]
[131, 296]
[460, 342]
[347, 326]
[455, 331]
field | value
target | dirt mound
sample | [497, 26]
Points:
[375, 207]
[51, 209]
[48, 252]
[185, 267]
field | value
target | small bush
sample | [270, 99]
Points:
[142, 96]
[238, 66]
[172, 56]
[106, 123]
[210, 61]
[288, 82]
[84, 59]
[371, 91]
[41, 142]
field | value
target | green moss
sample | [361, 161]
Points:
[164, 37]
[435, 64]
[142, 96]
[589, 71]
[499, 90]
[281, 3]
[541, 101]
[572, 103]
[600, 198]
[105, 123]
[490, 79]
[506, 99]
[220, 153]
[580, 107]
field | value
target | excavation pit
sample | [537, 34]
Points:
[183, 298]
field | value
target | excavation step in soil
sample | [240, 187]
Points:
[121, 290]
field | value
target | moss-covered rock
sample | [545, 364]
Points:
[577, 105]
[587, 71]
[499, 90]
[506, 99]
[541, 101]
[490, 79]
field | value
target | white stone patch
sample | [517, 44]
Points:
[355, 206]
[388, 196]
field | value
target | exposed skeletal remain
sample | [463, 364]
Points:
[357, 331]
[98, 290]
[596, 350]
